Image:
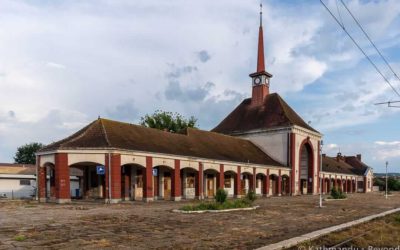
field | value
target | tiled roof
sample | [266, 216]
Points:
[345, 165]
[104, 133]
[358, 166]
[332, 165]
[273, 113]
[10, 168]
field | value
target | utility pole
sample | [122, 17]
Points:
[386, 189]
[320, 179]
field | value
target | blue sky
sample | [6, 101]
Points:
[64, 63]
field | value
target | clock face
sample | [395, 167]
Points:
[257, 80]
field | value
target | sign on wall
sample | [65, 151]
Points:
[100, 170]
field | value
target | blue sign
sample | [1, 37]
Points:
[100, 170]
[155, 171]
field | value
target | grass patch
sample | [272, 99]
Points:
[20, 237]
[230, 204]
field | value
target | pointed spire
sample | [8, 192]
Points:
[260, 56]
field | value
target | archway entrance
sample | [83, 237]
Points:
[273, 184]
[306, 169]
[210, 183]
[285, 185]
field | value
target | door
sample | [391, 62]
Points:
[167, 187]
[210, 186]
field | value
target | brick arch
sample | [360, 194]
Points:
[310, 185]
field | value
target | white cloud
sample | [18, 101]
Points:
[64, 63]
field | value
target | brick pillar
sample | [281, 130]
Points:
[265, 185]
[199, 182]
[267, 188]
[292, 162]
[176, 181]
[221, 177]
[115, 178]
[237, 187]
[351, 186]
[335, 182]
[279, 183]
[319, 168]
[41, 183]
[148, 180]
[62, 178]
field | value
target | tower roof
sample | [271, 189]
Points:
[274, 112]
[260, 52]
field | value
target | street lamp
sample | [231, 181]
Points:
[320, 179]
[386, 189]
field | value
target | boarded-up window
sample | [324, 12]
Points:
[228, 183]
[24, 182]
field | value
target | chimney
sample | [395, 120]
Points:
[338, 156]
[359, 157]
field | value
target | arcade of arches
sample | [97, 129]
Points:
[152, 181]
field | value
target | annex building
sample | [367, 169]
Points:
[262, 145]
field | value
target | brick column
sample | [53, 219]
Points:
[176, 181]
[237, 187]
[62, 178]
[221, 177]
[41, 183]
[292, 162]
[115, 178]
[279, 183]
[319, 168]
[335, 182]
[351, 185]
[199, 182]
[148, 180]
[267, 188]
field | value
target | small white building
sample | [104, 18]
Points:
[18, 181]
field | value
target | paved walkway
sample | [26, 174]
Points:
[140, 225]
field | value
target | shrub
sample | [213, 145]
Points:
[337, 193]
[251, 196]
[221, 195]
[20, 237]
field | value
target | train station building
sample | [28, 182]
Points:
[262, 145]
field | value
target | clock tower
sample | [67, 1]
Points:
[260, 78]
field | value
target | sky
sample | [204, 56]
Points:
[65, 63]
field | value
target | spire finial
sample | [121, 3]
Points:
[260, 14]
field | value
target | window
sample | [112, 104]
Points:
[24, 182]
[190, 180]
[228, 183]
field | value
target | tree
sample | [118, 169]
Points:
[172, 122]
[26, 153]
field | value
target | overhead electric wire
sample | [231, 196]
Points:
[370, 40]
[359, 47]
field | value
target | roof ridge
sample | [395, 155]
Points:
[105, 133]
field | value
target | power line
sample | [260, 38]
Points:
[369, 39]
[358, 46]
[389, 104]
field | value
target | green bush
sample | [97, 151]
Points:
[337, 193]
[239, 203]
[221, 195]
[251, 195]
